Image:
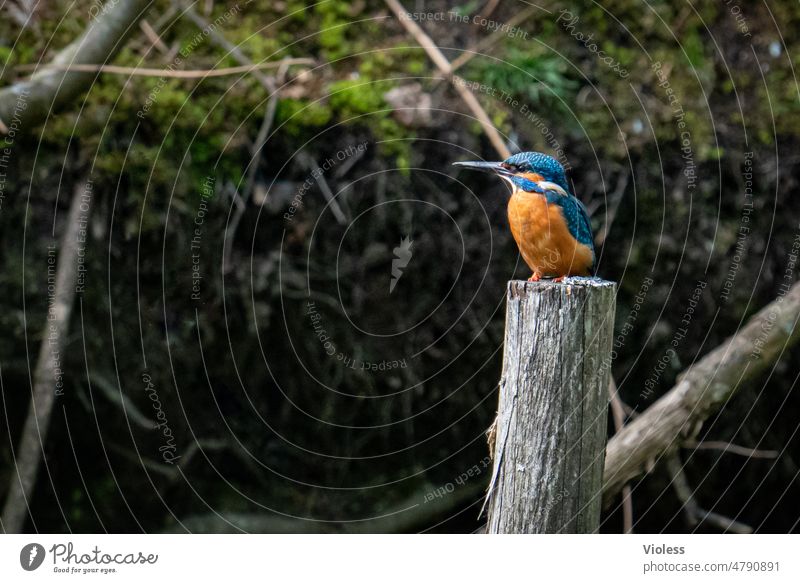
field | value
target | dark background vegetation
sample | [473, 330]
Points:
[273, 430]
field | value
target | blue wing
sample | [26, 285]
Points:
[577, 219]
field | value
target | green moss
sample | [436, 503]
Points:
[5, 55]
[624, 55]
[397, 61]
[354, 98]
[335, 25]
[298, 9]
[536, 79]
[296, 115]
[363, 102]
[465, 9]
[692, 44]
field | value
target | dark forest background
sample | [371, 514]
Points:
[257, 362]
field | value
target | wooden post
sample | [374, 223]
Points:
[550, 432]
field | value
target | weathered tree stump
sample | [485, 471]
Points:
[550, 432]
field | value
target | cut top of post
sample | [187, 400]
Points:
[518, 287]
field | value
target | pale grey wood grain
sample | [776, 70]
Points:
[551, 428]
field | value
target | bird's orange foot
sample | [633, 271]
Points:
[535, 277]
[559, 279]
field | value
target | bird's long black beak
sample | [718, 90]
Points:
[492, 167]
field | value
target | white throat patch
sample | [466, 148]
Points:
[554, 187]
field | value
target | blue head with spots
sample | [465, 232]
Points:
[525, 167]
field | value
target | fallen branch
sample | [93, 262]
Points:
[676, 418]
[30, 102]
[47, 376]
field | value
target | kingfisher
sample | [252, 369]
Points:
[549, 224]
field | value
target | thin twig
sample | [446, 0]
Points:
[165, 17]
[319, 176]
[153, 37]
[269, 116]
[490, 7]
[695, 515]
[258, 148]
[492, 39]
[618, 413]
[233, 50]
[446, 68]
[615, 199]
[114, 394]
[147, 72]
[50, 89]
[726, 447]
[348, 164]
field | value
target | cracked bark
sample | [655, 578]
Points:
[553, 408]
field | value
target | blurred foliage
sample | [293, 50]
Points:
[284, 426]
[539, 80]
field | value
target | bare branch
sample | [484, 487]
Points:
[615, 200]
[271, 85]
[250, 182]
[446, 68]
[493, 38]
[178, 74]
[153, 37]
[29, 102]
[318, 175]
[233, 50]
[695, 515]
[701, 390]
[113, 392]
[618, 414]
[47, 378]
[726, 447]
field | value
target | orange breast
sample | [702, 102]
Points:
[543, 238]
